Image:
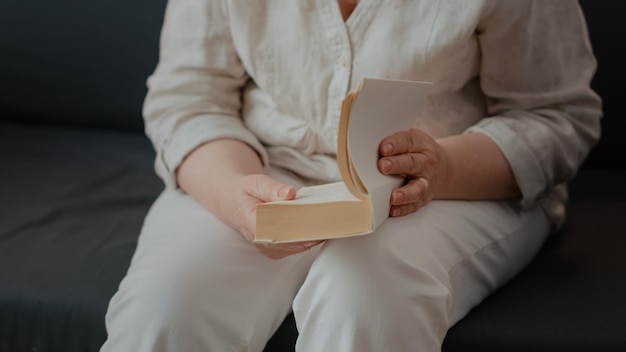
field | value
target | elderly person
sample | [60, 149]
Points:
[243, 109]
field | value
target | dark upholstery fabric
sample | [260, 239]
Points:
[77, 62]
[607, 31]
[73, 201]
[571, 297]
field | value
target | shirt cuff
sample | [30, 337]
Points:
[527, 169]
[196, 132]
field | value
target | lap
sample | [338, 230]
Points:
[470, 247]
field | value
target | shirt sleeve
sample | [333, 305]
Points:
[536, 68]
[194, 95]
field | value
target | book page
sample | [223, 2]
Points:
[380, 109]
[346, 168]
[330, 192]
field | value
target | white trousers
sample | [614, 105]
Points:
[195, 284]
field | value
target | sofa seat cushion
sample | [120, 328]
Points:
[571, 297]
[73, 205]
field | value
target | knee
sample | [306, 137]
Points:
[376, 295]
[170, 311]
[145, 312]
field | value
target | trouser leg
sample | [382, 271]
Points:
[401, 288]
[195, 284]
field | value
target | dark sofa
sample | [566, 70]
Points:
[76, 180]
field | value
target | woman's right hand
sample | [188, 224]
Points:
[226, 177]
[248, 191]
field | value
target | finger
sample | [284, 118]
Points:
[292, 246]
[403, 164]
[281, 250]
[414, 191]
[401, 142]
[273, 253]
[267, 189]
[404, 209]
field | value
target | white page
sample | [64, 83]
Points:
[382, 108]
[329, 192]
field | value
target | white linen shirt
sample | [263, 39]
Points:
[272, 73]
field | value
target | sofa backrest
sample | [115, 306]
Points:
[607, 30]
[86, 63]
[77, 62]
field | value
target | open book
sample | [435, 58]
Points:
[360, 203]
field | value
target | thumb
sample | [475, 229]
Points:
[267, 189]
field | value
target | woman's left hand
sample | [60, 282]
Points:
[421, 160]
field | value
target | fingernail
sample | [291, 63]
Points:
[396, 212]
[398, 197]
[283, 192]
[386, 165]
[387, 148]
